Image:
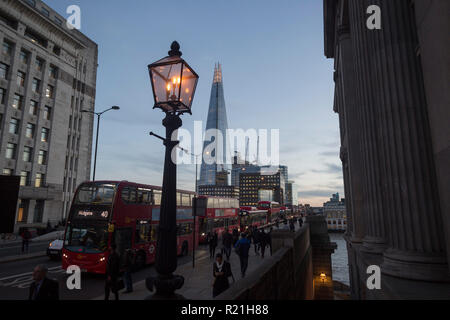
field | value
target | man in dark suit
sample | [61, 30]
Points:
[43, 288]
[112, 272]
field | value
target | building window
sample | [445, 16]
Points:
[47, 112]
[11, 151]
[31, 3]
[33, 107]
[8, 48]
[7, 172]
[58, 21]
[24, 178]
[39, 182]
[17, 102]
[27, 154]
[4, 71]
[22, 213]
[29, 132]
[45, 12]
[42, 157]
[38, 211]
[53, 72]
[39, 64]
[44, 134]
[35, 85]
[49, 91]
[21, 78]
[2, 95]
[14, 126]
[23, 57]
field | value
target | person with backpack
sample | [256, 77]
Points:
[242, 249]
[221, 273]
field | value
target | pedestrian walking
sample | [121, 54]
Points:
[300, 222]
[227, 242]
[291, 225]
[26, 236]
[42, 287]
[112, 272]
[129, 260]
[235, 236]
[221, 273]
[256, 240]
[269, 240]
[263, 242]
[242, 249]
[212, 241]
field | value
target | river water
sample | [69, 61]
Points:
[339, 259]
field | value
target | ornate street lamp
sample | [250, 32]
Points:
[173, 83]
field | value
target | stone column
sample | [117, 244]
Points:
[371, 147]
[397, 130]
[351, 155]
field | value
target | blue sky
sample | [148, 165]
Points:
[274, 71]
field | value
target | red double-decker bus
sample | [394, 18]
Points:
[273, 208]
[124, 213]
[251, 216]
[221, 213]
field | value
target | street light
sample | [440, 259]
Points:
[98, 125]
[173, 84]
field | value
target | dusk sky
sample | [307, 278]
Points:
[274, 72]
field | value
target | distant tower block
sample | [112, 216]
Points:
[217, 119]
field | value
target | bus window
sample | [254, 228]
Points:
[185, 200]
[125, 194]
[184, 228]
[142, 231]
[157, 197]
[178, 199]
[143, 196]
[154, 232]
[132, 198]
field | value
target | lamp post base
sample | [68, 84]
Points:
[165, 286]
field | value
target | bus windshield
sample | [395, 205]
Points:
[264, 205]
[95, 193]
[87, 238]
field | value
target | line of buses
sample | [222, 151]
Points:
[127, 214]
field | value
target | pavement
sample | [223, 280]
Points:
[198, 281]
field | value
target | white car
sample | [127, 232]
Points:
[54, 250]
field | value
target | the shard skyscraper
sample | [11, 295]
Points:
[213, 174]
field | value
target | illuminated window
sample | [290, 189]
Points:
[39, 182]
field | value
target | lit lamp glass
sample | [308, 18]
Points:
[323, 277]
[173, 82]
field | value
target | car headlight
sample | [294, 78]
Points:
[65, 255]
[102, 259]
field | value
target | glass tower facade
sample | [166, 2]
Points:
[217, 120]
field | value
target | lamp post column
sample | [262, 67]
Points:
[96, 145]
[166, 252]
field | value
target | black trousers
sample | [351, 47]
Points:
[212, 251]
[111, 286]
[244, 264]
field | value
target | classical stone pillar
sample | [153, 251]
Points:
[397, 132]
[351, 154]
[371, 147]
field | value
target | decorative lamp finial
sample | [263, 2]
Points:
[175, 49]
